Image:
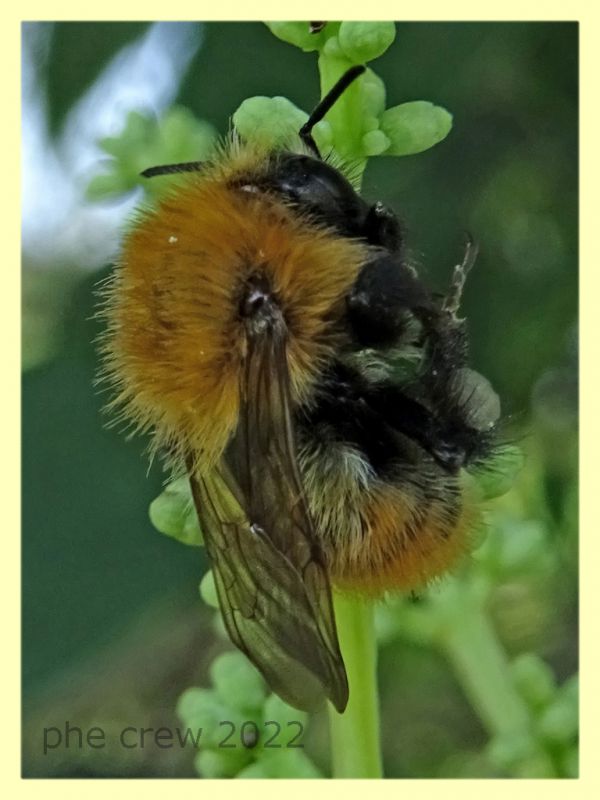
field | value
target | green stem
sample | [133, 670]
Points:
[355, 744]
[482, 668]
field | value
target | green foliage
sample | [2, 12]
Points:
[208, 590]
[270, 121]
[236, 681]
[414, 127]
[245, 732]
[173, 513]
[358, 127]
[146, 142]
[364, 41]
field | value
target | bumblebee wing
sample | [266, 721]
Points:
[270, 576]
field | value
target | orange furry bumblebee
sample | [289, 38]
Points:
[264, 324]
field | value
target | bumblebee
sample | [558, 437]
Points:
[265, 325]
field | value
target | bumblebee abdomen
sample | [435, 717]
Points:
[384, 534]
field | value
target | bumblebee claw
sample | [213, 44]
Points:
[459, 276]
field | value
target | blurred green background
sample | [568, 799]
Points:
[113, 630]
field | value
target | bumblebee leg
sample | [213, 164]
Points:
[385, 291]
[382, 228]
[459, 276]
[414, 420]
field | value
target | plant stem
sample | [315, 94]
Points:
[355, 744]
[355, 741]
[481, 665]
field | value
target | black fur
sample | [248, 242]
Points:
[386, 304]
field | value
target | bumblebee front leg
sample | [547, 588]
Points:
[449, 444]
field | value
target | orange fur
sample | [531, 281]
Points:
[403, 549]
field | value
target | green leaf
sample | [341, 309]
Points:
[414, 127]
[298, 34]
[110, 184]
[279, 711]
[534, 680]
[560, 721]
[375, 143]
[269, 121]
[508, 750]
[173, 513]
[282, 764]
[203, 708]
[237, 682]
[364, 41]
[146, 142]
[208, 590]
[372, 95]
[225, 763]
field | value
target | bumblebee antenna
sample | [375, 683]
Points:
[170, 169]
[325, 105]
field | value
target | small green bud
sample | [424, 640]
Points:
[184, 137]
[375, 143]
[208, 590]
[218, 626]
[277, 710]
[534, 680]
[560, 721]
[298, 34]
[364, 41]
[323, 134]
[203, 709]
[269, 121]
[332, 49]
[370, 124]
[414, 127]
[237, 682]
[110, 184]
[507, 751]
[372, 95]
[173, 513]
[282, 764]
[144, 142]
[195, 706]
[222, 763]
